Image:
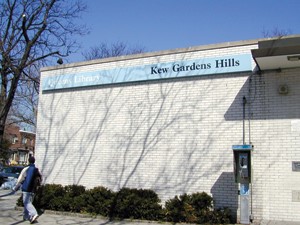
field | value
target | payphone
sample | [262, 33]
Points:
[242, 166]
[242, 175]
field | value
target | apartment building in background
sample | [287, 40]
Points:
[22, 144]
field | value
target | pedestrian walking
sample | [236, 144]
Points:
[30, 177]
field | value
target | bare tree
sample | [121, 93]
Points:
[276, 32]
[32, 32]
[24, 107]
[116, 49]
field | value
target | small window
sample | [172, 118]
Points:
[14, 139]
[24, 140]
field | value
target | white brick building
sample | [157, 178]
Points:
[167, 121]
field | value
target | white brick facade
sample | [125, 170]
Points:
[175, 136]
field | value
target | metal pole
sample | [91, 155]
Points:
[244, 116]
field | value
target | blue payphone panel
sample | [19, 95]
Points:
[242, 163]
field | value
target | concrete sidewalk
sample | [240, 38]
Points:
[10, 216]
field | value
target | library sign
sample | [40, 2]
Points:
[195, 67]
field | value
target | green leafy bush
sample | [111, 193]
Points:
[71, 200]
[130, 203]
[136, 204]
[179, 209]
[98, 201]
[195, 208]
[51, 196]
[48, 196]
[221, 216]
[203, 205]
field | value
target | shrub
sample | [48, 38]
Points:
[98, 201]
[179, 209]
[74, 190]
[201, 201]
[203, 206]
[130, 203]
[72, 200]
[50, 196]
[195, 208]
[221, 216]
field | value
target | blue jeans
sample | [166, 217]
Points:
[29, 210]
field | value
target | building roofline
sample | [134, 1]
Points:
[162, 53]
[25, 131]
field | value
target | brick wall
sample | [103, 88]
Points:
[175, 136]
[276, 136]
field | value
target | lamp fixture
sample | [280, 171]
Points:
[293, 58]
[60, 61]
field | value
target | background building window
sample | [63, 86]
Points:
[24, 140]
[14, 139]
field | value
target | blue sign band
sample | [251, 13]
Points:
[196, 67]
[242, 147]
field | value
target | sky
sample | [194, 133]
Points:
[169, 24]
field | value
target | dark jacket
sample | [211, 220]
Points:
[28, 178]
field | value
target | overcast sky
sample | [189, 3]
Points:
[169, 24]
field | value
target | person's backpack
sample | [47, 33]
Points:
[37, 180]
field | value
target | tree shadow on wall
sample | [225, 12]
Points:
[264, 100]
[225, 193]
[254, 92]
[109, 135]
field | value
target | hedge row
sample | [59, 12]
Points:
[129, 203]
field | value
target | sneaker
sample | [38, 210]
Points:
[34, 218]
